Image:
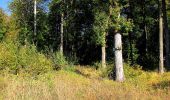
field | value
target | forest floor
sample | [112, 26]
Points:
[83, 83]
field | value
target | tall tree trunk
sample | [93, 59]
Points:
[61, 33]
[167, 57]
[35, 19]
[104, 57]
[118, 58]
[161, 60]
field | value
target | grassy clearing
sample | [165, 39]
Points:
[82, 83]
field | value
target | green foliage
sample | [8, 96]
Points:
[8, 56]
[33, 62]
[168, 12]
[106, 73]
[25, 24]
[97, 65]
[23, 59]
[109, 18]
[88, 25]
[59, 60]
[119, 22]
[132, 71]
[3, 26]
[100, 27]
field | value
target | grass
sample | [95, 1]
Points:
[85, 83]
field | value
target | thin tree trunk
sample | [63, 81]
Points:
[167, 57]
[35, 19]
[61, 34]
[104, 57]
[161, 61]
[118, 58]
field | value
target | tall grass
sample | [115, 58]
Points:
[70, 85]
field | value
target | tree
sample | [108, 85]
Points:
[161, 57]
[100, 29]
[145, 34]
[118, 58]
[3, 24]
[102, 12]
[29, 16]
[118, 47]
[63, 6]
[62, 33]
[121, 25]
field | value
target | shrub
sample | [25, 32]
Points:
[8, 56]
[129, 71]
[97, 65]
[132, 71]
[27, 59]
[33, 62]
[59, 60]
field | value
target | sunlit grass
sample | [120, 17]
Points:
[81, 83]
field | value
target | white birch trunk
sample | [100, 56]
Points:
[61, 34]
[103, 57]
[161, 59]
[118, 58]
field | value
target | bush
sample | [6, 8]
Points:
[33, 62]
[8, 56]
[129, 71]
[59, 60]
[17, 59]
[132, 71]
[97, 65]
[104, 72]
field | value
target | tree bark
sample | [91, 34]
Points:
[61, 33]
[167, 57]
[104, 57]
[118, 58]
[161, 60]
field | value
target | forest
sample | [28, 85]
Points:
[85, 50]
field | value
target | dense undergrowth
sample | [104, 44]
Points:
[16, 59]
[26, 74]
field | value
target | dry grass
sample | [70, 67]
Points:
[70, 85]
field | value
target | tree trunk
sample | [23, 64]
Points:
[167, 57]
[35, 19]
[61, 33]
[104, 57]
[119, 58]
[161, 60]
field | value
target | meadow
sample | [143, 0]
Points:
[85, 83]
